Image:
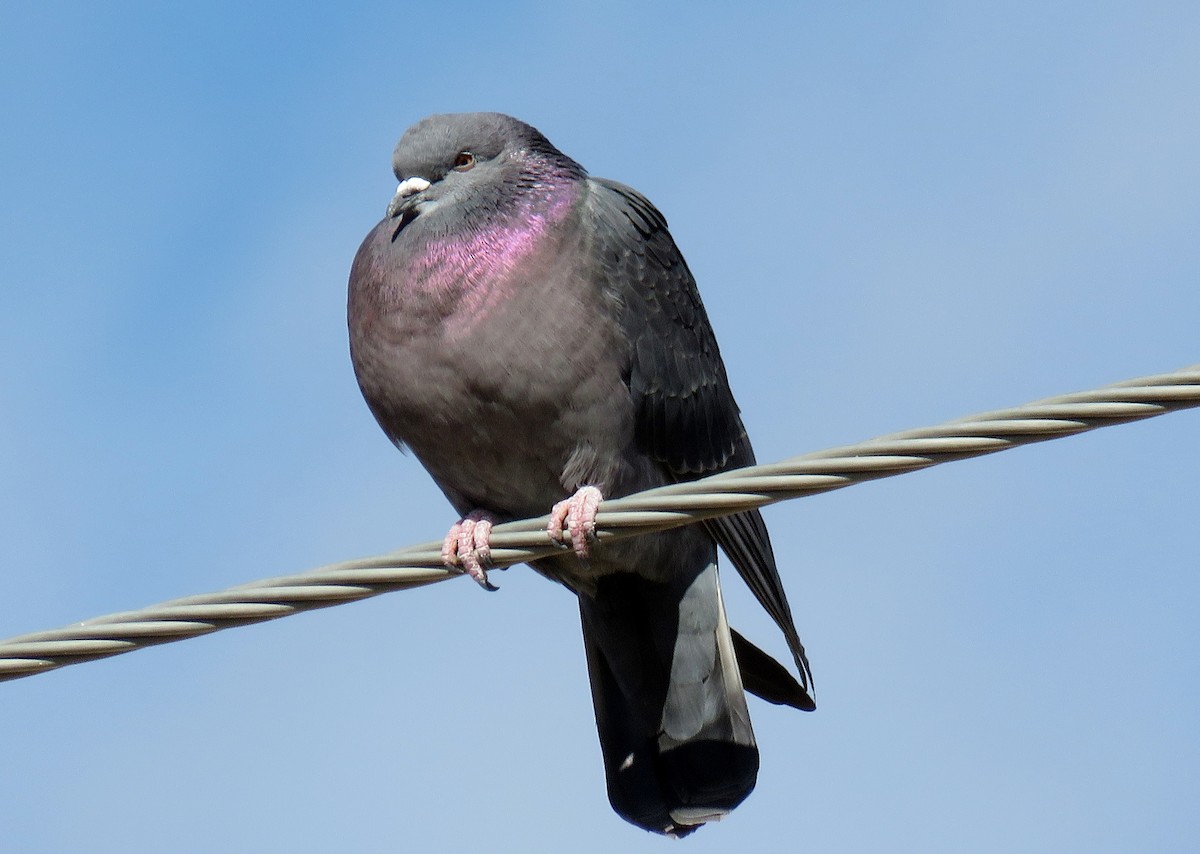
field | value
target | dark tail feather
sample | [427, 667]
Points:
[744, 538]
[765, 677]
[670, 709]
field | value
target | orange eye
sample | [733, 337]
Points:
[464, 161]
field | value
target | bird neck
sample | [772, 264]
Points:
[482, 257]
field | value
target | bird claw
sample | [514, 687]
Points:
[467, 546]
[578, 514]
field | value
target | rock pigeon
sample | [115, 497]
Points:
[536, 339]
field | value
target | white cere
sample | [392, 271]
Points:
[412, 185]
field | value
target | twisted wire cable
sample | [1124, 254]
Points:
[652, 510]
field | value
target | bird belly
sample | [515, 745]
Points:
[509, 419]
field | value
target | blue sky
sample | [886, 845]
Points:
[896, 216]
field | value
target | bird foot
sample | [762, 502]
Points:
[467, 546]
[578, 514]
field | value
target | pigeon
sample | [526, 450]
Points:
[535, 338]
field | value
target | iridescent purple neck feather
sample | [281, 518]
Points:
[473, 267]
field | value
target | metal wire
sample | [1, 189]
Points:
[652, 510]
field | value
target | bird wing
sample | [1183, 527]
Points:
[687, 418]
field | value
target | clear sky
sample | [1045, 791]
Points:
[897, 213]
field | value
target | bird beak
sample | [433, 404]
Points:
[408, 188]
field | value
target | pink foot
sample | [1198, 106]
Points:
[578, 513]
[468, 546]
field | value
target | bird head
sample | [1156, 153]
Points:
[469, 161]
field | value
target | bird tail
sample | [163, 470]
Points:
[670, 708]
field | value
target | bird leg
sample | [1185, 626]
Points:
[578, 513]
[467, 546]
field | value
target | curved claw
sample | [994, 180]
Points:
[467, 546]
[578, 515]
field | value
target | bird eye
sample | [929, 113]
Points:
[464, 161]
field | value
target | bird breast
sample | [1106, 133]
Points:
[492, 358]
